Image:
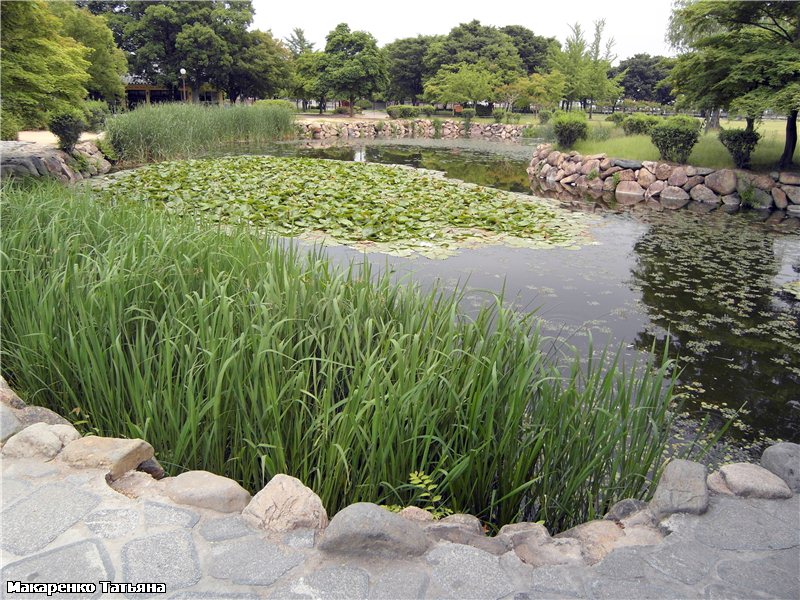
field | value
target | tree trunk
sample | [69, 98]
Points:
[750, 123]
[196, 93]
[352, 101]
[791, 140]
[713, 121]
[591, 104]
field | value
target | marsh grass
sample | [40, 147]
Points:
[246, 356]
[169, 131]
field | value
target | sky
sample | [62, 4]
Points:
[637, 26]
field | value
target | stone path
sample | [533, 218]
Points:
[62, 524]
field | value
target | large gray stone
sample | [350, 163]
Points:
[687, 562]
[36, 441]
[39, 414]
[783, 460]
[8, 396]
[156, 513]
[82, 562]
[169, 558]
[597, 538]
[723, 182]
[285, 504]
[118, 455]
[369, 530]
[339, 583]
[790, 178]
[556, 582]
[251, 561]
[112, 523]
[701, 193]
[615, 589]
[465, 572]
[673, 197]
[760, 575]
[13, 489]
[626, 164]
[207, 490]
[624, 509]
[629, 192]
[38, 519]
[682, 488]
[399, 581]
[462, 535]
[9, 423]
[741, 524]
[792, 193]
[752, 481]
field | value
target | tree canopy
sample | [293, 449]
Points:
[406, 67]
[534, 50]
[644, 78]
[461, 83]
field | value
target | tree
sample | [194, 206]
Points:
[297, 42]
[107, 63]
[461, 83]
[571, 62]
[599, 86]
[406, 67]
[546, 90]
[260, 69]
[742, 53]
[533, 49]
[472, 43]
[354, 65]
[643, 78]
[307, 81]
[40, 70]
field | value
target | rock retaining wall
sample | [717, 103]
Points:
[663, 185]
[29, 159]
[410, 128]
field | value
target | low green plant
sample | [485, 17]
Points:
[345, 110]
[425, 495]
[428, 110]
[639, 124]
[107, 149]
[513, 118]
[593, 174]
[379, 126]
[67, 126]
[747, 193]
[569, 127]
[617, 118]
[437, 128]
[676, 137]
[615, 179]
[265, 358]
[545, 115]
[499, 114]
[530, 131]
[364, 104]
[9, 126]
[740, 143]
[403, 111]
[96, 113]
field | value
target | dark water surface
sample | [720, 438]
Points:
[712, 281]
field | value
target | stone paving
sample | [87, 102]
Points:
[62, 524]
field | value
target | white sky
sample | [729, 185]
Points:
[636, 25]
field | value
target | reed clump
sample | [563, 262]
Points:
[247, 356]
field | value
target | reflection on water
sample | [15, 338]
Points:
[710, 280]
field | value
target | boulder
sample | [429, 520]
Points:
[467, 522]
[555, 158]
[762, 182]
[650, 165]
[520, 532]
[609, 172]
[207, 490]
[629, 192]
[731, 200]
[673, 197]
[723, 182]
[645, 178]
[655, 189]
[682, 488]
[792, 193]
[627, 175]
[701, 193]
[365, 529]
[783, 460]
[549, 552]
[9, 397]
[789, 178]
[440, 531]
[286, 504]
[36, 441]
[152, 467]
[779, 198]
[118, 455]
[624, 509]
[413, 513]
[627, 164]
[9, 423]
[605, 164]
[663, 171]
[692, 182]
[597, 538]
[752, 481]
[678, 177]
[39, 414]
[793, 210]
[589, 166]
[717, 485]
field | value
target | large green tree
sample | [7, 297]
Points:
[461, 83]
[40, 69]
[533, 49]
[260, 69]
[298, 43]
[406, 67]
[354, 66]
[307, 82]
[643, 78]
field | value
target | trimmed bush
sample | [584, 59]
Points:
[513, 117]
[468, 114]
[96, 113]
[428, 110]
[639, 124]
[67, 126]
[545, 115]
[498, 114]
[617, 118]
[569, 127]
[364, 104]
[676, 137]
[740, 143]
[403, 111]
[9, 127]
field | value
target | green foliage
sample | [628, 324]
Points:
[740, 143]
[639, 124]
[107, 149]
[437, 128]
[498, 114]
[428, 110]
[164, 131]
[345, 110]
[281, 104]
[534, 50]
[41, 71]
[513, 118]
[544, 115]
[67, 126]
[569, 127]
[363, 104]
[403, 111]
[96, 113]
[467, 114]
[298, 43]
[406, 67]
[676, 137]
[643, 77]
[593, 174]
[267, 359]
[617, 118]
[615, 179]
[425, 495]
[459, 84]
[9, 126]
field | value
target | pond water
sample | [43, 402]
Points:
[708, 285]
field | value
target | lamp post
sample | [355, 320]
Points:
[183, 76]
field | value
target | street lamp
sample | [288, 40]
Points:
[183, 76]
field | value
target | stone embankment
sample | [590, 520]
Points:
[663, 185]
[408, 128]
[30, 159]
[91, 509]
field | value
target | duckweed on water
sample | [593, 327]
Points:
[387, 208]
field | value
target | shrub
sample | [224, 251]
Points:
[545, 115]
[67, 126]
[428, 110]
[96, 113]
[675, 138]
[345, 110]
[513, 118]
[569, 127]
[285, 104]
[498, 114]
[468, 114]
[403, 111]
[740, 143]
[639, 124]
[437, 128]
[364, 104]
[9, 126]
[107, 149]
[529, 131]
[617, 118]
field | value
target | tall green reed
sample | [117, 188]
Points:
[168, 131]
[249, 357]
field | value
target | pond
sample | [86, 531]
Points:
[708, 285]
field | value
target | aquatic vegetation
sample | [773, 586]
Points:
[371, 207]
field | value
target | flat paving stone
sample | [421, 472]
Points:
[719, 591]
[251, 561]
[339, 583]
[557, 581]
[686, 562]
[112, 523]
[156, 513]
[399, 582]
[169, 558]
[760, 575]
[733, 524]
[82, 562]
[13, 489]
[301, 538]
[226, 528]
[39, 518]
[462, 571]
[613, 589]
